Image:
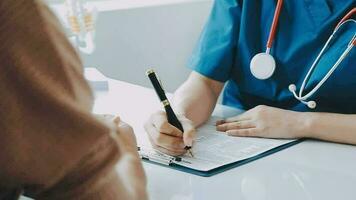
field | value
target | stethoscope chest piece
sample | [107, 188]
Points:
[262, 66]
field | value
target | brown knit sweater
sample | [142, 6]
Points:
[51, 146]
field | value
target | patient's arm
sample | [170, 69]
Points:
[52, 147]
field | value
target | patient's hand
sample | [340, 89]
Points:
[130, 168]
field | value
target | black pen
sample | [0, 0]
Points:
[171, 116]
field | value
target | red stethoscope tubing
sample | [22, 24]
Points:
[272, 32]
[346, 17]
[277, 12]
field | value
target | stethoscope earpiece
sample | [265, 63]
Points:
[292, 88]
[311, 104]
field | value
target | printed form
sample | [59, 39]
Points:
[213, 149]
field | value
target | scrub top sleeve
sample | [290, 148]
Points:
[214, 53]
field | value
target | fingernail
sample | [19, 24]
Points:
[219, 128]
[117, 120]
[219, 122]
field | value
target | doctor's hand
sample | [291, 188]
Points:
[264, 121]
[167, 138]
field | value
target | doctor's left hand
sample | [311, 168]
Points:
[264, 121]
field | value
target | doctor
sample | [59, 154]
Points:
[291, 35]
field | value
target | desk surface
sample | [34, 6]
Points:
[310, 170]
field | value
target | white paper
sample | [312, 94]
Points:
[213, 149]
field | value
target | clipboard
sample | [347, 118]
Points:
[173, 162]
[220, 111]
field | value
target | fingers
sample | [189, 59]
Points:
[235, 125]
[250, 132]
[167, 138]
[168, 142]
[219, 122]
[189, 132]
[169, 151]
[241, 126]
[160, 122]
[242, 117]
[110, 117]
[117, 120]
[127, 135]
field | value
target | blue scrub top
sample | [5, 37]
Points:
[237, 30]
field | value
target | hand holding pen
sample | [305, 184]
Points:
[169, 133]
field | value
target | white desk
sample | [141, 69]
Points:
[310, 170]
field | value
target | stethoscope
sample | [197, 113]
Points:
[263, 65]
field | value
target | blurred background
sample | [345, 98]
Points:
[134, 35]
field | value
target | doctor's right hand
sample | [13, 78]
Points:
[167, 138]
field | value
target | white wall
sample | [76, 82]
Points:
[131, 40]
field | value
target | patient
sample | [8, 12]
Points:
[51, 146]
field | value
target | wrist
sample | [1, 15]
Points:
[305, 123]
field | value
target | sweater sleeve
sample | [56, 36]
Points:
[51, 144]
